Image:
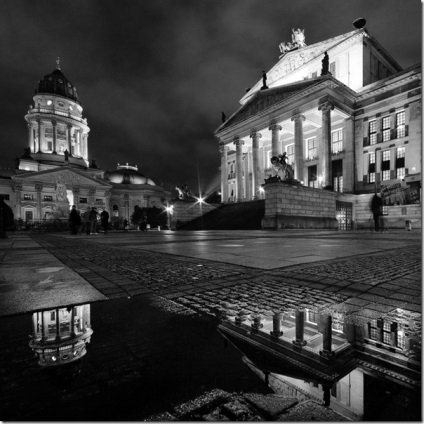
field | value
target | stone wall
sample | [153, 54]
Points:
[396, 217]
[295, 206]
[186, 211]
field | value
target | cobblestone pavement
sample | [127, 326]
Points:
[364, 286]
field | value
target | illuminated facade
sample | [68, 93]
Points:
[60, 335]
[347, 116]
[55, 172]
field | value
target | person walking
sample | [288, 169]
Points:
[74, 220]
[93, 221]
[104, 218]
[376, 206]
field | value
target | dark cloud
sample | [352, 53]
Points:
[153, 77]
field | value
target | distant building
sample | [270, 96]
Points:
[349, 119]
[55, 172]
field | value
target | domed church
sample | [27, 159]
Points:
[55, 171]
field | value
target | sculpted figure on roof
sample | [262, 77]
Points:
[298, 37]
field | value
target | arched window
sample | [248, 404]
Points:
[115, 210]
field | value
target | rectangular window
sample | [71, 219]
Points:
[373, 329]
[83, 200]
[312, 176]
[48, 198]
[400, 162]
[387, 337]
[61, 133]
[312, 148]
[290, 153]
[48, 132]
[385, 165]
[371, 168]
[400, 340]
[337, 175]
[28, 197]
[52, 316]
[372, 133]
[386, 128]
[28, 216]
[99, 201]
[337, 141]
[50, 146]
[400, 124]
[312, 316]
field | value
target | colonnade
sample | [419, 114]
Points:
[248, 189]
[38, 144]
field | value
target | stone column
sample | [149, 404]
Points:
[38, 189]
[275, 140]
[57, 326]
[17, 187]
[325, 156]
[127, 206]
[76, 192]
[276, 325]
[239, 168]
[78, 139]
[298, 146]
[68, 136]
[326, 351]
[54, 124]
[39, 135]
[31, 144]
[300, 325]
[247, 185]
[223, 149]
[255, 165]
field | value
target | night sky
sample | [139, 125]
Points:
[153, 76]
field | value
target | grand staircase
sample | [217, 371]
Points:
[232, 216]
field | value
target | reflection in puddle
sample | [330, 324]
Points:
[60, 335]
[312, 354]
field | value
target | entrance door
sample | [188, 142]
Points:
[344, 215]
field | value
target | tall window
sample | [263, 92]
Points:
[290, 153]
[115, 210]
[337, 141]
[373, 329]
[400, 162]
[312, 176]
[400, 124]
[312, 148]
[371, 168]
[386, 128]
[312, 317]
[385, 165]
[387, 337]
[373, 132]
[337, 174]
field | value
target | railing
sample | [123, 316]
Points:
[56, 112]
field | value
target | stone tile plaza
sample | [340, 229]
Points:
[293, 293]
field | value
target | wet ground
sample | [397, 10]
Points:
[155, 298]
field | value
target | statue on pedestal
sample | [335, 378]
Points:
[183, 192]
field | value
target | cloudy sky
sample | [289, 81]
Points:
[153, 76]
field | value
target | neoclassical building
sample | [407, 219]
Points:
[55, 173]
[346, 114]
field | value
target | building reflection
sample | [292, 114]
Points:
[329, 356]
[60, 335]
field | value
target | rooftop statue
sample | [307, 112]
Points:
[183, 192]
[298, 37]
[325, 61]
[298, 41]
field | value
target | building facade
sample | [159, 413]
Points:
[55, 173]
[348, 118]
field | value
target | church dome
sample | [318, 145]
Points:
[126, 174]
[56, 83]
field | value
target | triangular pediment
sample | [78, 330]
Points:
[67, 176]
[264, 99]
[295, 59]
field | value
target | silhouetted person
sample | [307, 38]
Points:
[74, 220]
[66, 155]
[104, 218]
[93, 221]
[325, 62]
[376, 205]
